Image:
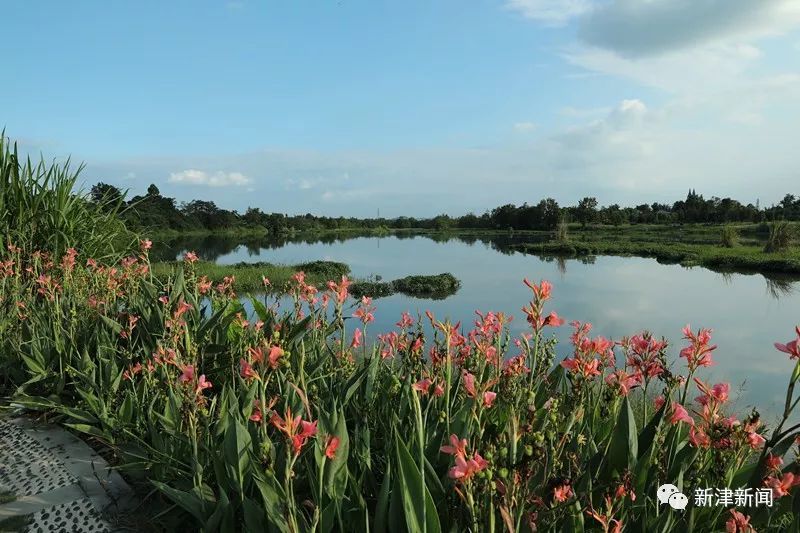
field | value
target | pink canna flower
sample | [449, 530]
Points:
[488, 398]
[187, 375]
[465, 468]
[405, 321]
[190, 257]
[792, 347]
[542, 291]
[456, 447]
[275, 353]
[356, 342]
[755, 440]
[469, 385]
[718, 394]
[438, 390]
[202, 384]
[562, 493]
[659, 402]
[783, 486]
[680, 414]
[553, 320]
[773, 462]
[246, 369]
[738, 523]
[145, 244]
[256, 416]
[623, 381]
[698, 352]
[422, 386]
[699, 438]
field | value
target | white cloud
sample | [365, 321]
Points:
[552, 12]
[217, 179]
[524, 127]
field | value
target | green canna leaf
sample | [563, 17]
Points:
[420, 512]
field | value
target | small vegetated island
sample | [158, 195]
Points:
[304, 420]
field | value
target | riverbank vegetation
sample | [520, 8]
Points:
[293, 419]
[434, 287]
[156, 213]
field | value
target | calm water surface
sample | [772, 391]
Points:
[620, 296]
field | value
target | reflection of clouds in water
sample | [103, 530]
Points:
[619, 295]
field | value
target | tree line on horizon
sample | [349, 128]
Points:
[154, 211]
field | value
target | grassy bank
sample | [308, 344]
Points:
[743, 258]
[249, 277]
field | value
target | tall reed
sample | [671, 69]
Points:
[42, 208]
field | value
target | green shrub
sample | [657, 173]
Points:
[562, 231]
[780, 237]
[729, 237]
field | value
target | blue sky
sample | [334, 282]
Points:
[416, 107]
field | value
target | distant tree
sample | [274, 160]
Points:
[586, 211]
[103, 192]
[152, 190]
[550, 213]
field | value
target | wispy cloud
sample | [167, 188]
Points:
[524, 127]
[551, 12]
[217, 179]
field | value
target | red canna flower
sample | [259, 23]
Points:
[659, 402]
[331, 445]
[295, 428]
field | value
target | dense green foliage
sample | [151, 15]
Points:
[155, 212]
[41, 209]
[435, 286]
[294, 421]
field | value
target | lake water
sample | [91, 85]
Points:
[619, 295]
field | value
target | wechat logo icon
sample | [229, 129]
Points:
[670, 494]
